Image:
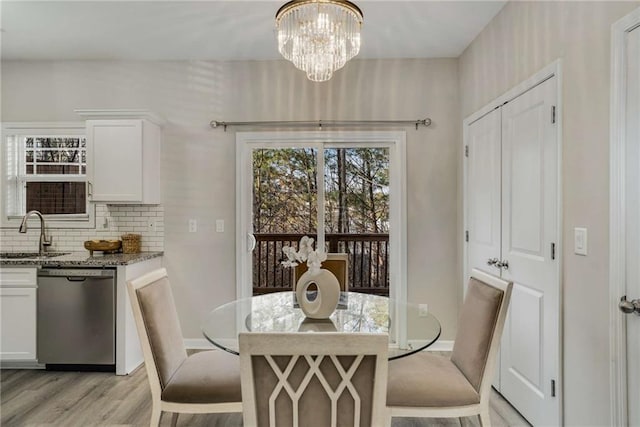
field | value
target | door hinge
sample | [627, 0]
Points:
[553, 114]
[466, 151]
[553, 251]
[466, 235]
[553, 388]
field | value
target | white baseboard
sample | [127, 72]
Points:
[203, 344]
[440, 345]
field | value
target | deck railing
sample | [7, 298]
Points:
[368, 261]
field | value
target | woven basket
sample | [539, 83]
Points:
[130, 243]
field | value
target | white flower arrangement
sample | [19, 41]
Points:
[314, 258]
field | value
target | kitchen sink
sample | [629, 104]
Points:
[30, 255]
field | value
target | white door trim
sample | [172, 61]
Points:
[617, 266]
[394, 140]
[552, 70]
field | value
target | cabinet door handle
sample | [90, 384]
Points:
[90, 189]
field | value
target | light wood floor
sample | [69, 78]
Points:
[83, 399]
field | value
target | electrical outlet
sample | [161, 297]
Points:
[104, 225]
[151, 225]
[219, 225]
[107, 224]
[423, 310]
[193, 226]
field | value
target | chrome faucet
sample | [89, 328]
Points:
[43, 238]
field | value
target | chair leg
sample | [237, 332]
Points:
[485, 421]
[174, 419]
[156, 414]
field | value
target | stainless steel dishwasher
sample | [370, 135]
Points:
[76, 318]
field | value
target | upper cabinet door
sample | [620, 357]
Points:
[483, 192]
[123, 161]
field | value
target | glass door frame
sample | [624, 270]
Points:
[395, 141]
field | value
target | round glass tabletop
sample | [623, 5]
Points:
[356, 312]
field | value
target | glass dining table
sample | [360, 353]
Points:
[356, 313]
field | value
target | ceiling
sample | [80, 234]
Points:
[223, 30]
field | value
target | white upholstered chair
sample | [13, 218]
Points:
[314, 379]
[204, 382]
[338, 264]
[429, 385]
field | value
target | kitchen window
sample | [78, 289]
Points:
[46, 171]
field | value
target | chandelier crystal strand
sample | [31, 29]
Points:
[319, 36]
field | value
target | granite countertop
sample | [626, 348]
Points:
[82, 259]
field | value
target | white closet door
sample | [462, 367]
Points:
[483, 192]
[530, 345]
[632, 227]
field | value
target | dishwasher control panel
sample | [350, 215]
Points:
[84, 272]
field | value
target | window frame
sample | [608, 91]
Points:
[53, 129]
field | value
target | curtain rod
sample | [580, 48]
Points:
[322, 123]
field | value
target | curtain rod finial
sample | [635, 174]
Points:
[216, 124]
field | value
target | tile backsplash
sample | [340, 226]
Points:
[112, 221]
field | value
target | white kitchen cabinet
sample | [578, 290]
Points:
[18, 288]
[128, 350]
[123, 160]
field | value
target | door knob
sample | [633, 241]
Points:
[492, 261]
[503, 264]
[628, 307]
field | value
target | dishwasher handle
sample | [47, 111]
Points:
[83, 278]
[76, 274]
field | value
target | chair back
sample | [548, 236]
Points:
[313, 379]
[338, 264]
[480, 328]
[158, 327]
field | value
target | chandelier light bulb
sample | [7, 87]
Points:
[319, 36]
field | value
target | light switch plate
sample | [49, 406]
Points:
[219, 225]
[580, 241]
[193, 226]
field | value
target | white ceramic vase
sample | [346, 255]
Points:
[327, 297]
[317, 325]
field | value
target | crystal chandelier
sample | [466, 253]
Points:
[319, 36]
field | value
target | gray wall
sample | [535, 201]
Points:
[198, 169]
[523, 38]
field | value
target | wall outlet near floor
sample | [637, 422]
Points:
[193, 225]
[423, 310]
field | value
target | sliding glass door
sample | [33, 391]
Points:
[345, 189]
